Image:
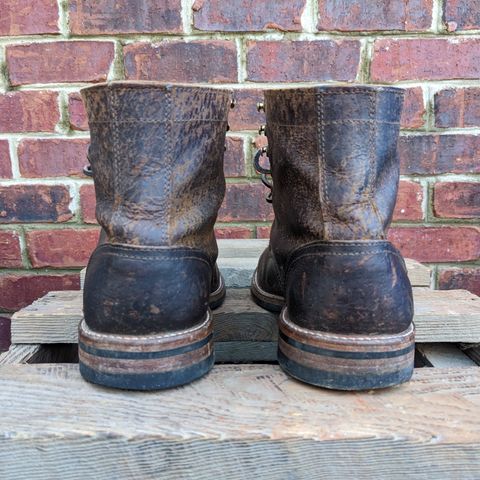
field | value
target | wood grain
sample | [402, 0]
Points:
[440, 316]
[238, 423]
[237, 260]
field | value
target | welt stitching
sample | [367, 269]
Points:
[173, 257]
[322, 170]
[334, 122]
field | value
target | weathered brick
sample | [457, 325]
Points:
[19, 290]
[61, 248]
[250, 16]
[437, 244]
[29, 111]
[74, 61]
[245, 202]
[10, 253]
[263, 232]
[457, 107]
[302, 61]
[52, 157]
[34, 203]
[460, 278]
[77, 112]
[425, 59]
[234, 161]
[104, 17]
[462, 14]
[435, 154]
[5, 162]
[409, 202]
[233, 232]
[245, 115]
[457, 200]
[198, 61]
[413, 114]
[365, 15]
[24, 17]
[87, 203]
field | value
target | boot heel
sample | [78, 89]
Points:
[146, 362]
[345, 362]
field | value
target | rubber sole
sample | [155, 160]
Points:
[146, 362]
[345, 362]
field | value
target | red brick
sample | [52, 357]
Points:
[51, 62]
[457, 200]
[233, 232]
[425, 59]
[409, 202]
[365, 15]
[19, 290]
[460, 278]
[245, 202]
[10, 253]
[413, 108]
[463, 14]
[241, 16]
[77, 112]
[5, 163]
[435, 154]
[234, 161]
[437, 244]
[104, 17]
[29, 111]
[87, 203]
[457, 107]
[61, 248]
[302, 61]
[34, 203]
[24, 17]
[52, 157]
[263, 232]
[198, 61]
[245, 115]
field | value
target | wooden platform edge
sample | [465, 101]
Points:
[272, 427]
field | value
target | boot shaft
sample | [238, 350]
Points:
[333, 155]
[157, 159]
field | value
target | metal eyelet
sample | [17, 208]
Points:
[87, 170]
[260, 107]
[262, 130]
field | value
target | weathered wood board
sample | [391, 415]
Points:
[56, 426]
[444, 355]
[29, 353]
[237, 260]
[440, 316]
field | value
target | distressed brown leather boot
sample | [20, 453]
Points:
[342, 288]
[156, 156]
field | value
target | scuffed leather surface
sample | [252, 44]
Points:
[359, 288]
[139, 291]
[157, 159]
[334, 162]
[335, 170]
[156, 154]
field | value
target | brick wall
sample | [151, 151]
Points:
[50, 49]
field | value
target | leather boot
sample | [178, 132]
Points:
[156, 156]
[342, 288]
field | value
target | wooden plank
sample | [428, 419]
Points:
[440, 316]
[238, 422]
[19, 354]
[238, 259]
[30, 353]
[445, 355]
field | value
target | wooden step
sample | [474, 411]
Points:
[242, 326]
[237, 260]
[238, 422]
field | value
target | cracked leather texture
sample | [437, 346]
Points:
[335, 171]
[156, 154]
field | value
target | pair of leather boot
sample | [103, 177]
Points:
[156, 155]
